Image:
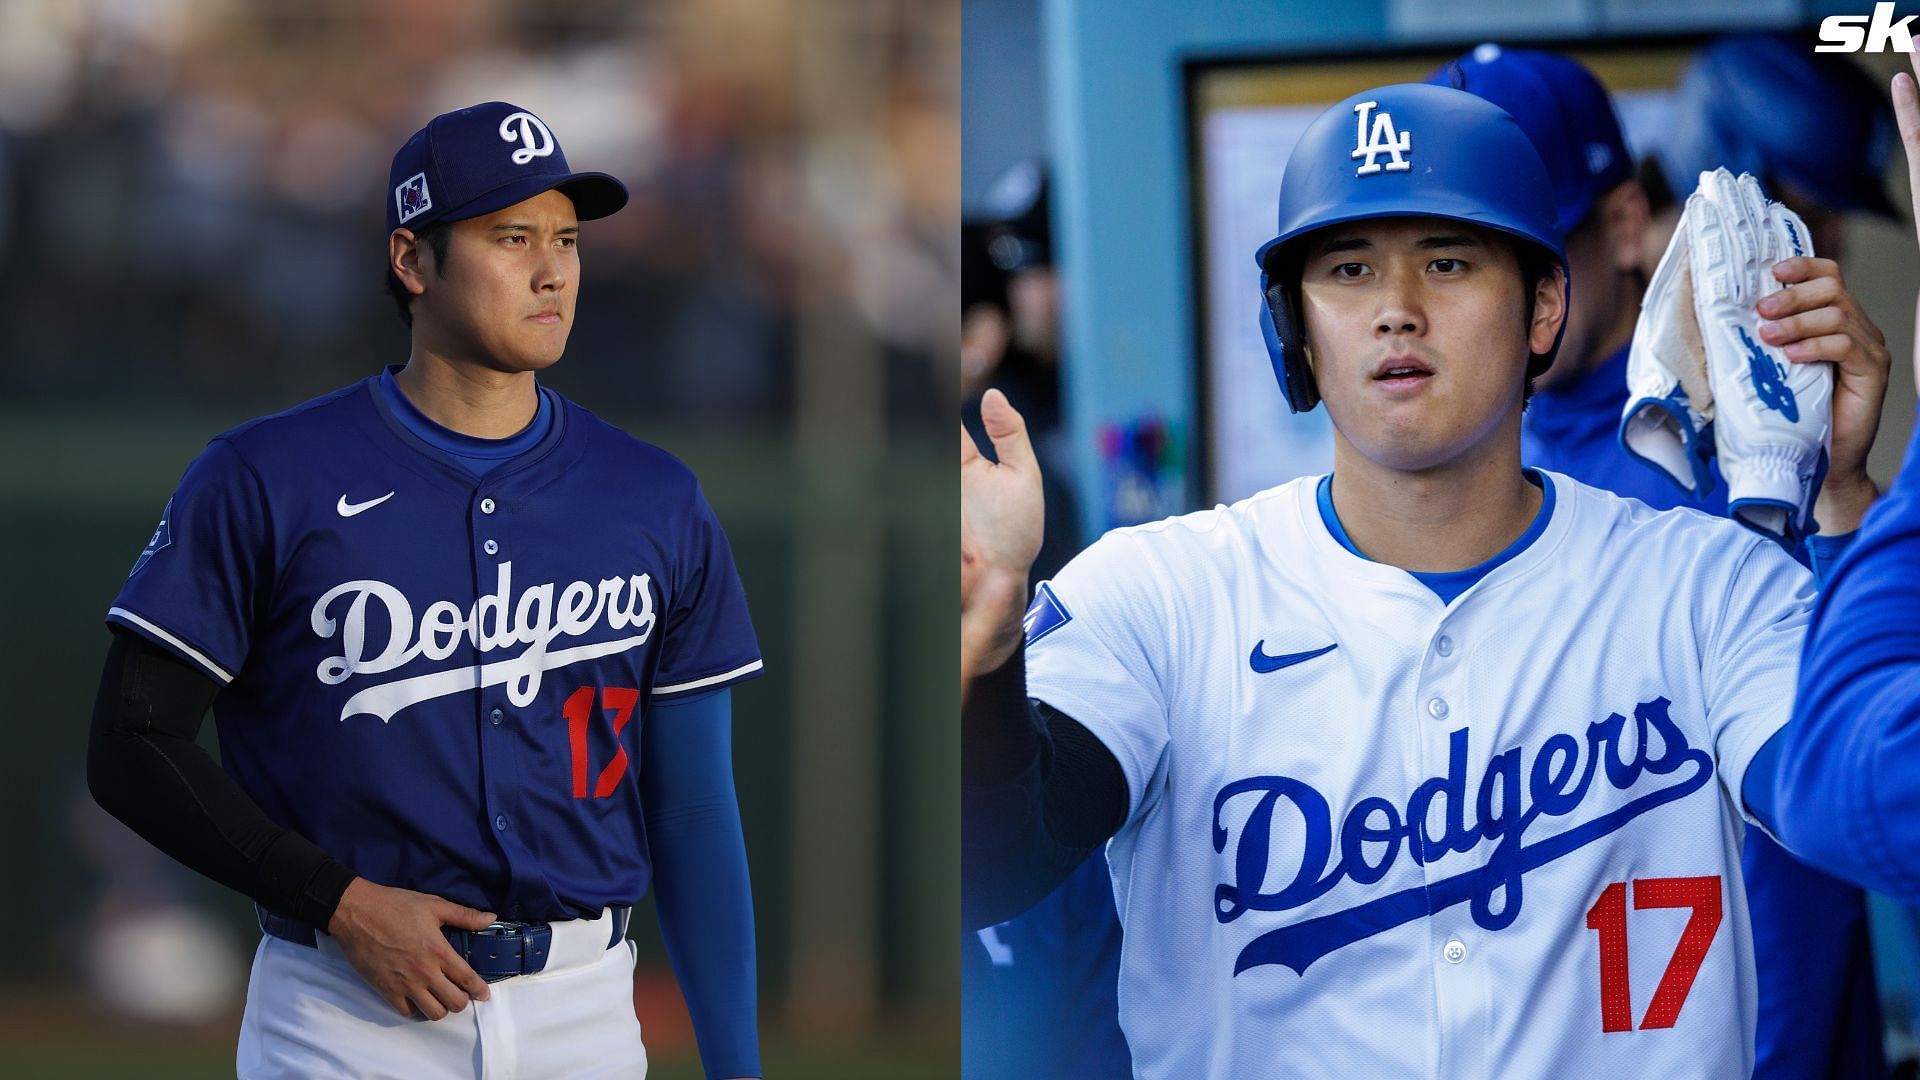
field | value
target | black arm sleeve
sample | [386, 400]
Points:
[1040, 794]
[144, 768]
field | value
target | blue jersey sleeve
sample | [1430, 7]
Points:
[700, 883]
[709, 640]
[195, 588]
[1847, 793]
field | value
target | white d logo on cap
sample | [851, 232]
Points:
[532, 135]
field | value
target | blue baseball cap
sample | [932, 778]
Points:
[483, 158]
[1769, 105]
[1565, 112]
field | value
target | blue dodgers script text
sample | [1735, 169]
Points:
[1551, 789]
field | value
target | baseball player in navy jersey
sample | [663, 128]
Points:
[1819, 1010]
[1425, 767]
[468, 648]
[1846, 775]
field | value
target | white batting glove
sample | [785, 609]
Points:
[1669, 396]
[1774, 419]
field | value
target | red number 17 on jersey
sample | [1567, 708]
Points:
[1608, 915]
[579, 712]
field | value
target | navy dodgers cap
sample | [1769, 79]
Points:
[483, 158]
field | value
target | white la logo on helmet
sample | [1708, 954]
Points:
[532, 135]
[1382, 138]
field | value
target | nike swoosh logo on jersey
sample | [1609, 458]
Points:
[348, 509]
[1263, 663]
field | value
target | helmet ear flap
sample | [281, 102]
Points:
[1286, 346]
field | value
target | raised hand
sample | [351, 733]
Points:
[1002, 520]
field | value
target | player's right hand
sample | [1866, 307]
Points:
[1002, 521]
[392, 938]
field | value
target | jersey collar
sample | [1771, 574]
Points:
[1329, 543]
[447, 465]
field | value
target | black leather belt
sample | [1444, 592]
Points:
[501, 951]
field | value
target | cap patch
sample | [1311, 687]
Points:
[411, 199]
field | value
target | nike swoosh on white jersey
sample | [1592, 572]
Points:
[348, 509]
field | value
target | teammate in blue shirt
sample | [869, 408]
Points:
[1846, 774]
[1819, 1010]
[468, 649]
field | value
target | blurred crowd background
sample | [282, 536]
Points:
[193, 187]
[191, 234]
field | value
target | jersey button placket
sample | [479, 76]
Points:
[1439, 666]
[1461, 977]
[1459, 974]
[489, 529]
[488, 519]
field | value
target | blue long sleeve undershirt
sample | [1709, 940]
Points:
[1847, 789]
[700, 883]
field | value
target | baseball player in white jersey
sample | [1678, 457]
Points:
[1434, 766]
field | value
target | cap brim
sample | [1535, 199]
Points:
[594, 195]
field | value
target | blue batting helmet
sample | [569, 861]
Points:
[1409, 150]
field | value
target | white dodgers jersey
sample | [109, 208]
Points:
[1374, 835]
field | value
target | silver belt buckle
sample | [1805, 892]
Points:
[502, 929]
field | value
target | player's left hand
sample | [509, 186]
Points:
[1815, 318]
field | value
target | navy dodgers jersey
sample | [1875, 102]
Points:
[1374, 834]
[441, 680]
